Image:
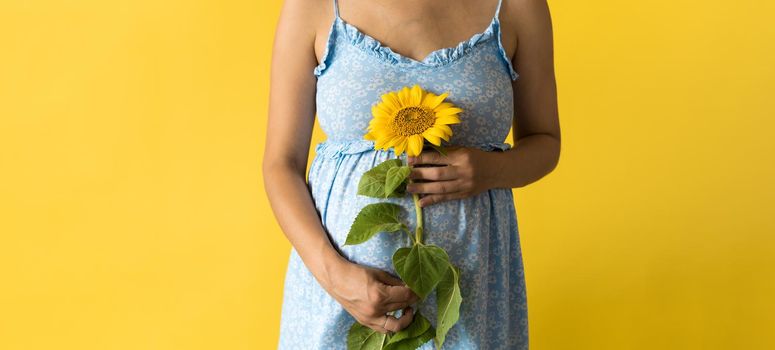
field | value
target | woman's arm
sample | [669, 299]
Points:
[536, 117]
[291, 119]
[366, 293]
[536, 150]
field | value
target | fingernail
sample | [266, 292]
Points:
[410, 160]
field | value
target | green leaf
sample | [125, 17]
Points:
[419, 325]
[374, 182]
[394, 178]
[421, 267]
[448, 300]
[400, 191]
[412, 337]
[361, 337]
[372, 219]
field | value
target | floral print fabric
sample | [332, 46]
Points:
[480, 232]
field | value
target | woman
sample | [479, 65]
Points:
[336, 58]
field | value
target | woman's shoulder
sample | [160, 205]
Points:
[306, 22]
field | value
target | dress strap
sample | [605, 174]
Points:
[336, 9]
[497, 9]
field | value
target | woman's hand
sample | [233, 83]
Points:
[368, 294]
[463, 172]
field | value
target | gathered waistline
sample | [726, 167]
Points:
[336, 148]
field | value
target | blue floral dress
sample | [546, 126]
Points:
[480, 232]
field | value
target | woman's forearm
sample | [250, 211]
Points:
[295, 212]
[532, 158]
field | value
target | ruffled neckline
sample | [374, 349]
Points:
[437, 57]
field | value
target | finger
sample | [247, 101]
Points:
[384, 298]
[436, 173]
[438, 198]
[397, 294]
[393, 306]
[449, 186]
[377, 323]
[396, 324]
[427, 158]
[385, 277]
[373, 322]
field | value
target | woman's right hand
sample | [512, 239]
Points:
[368, 294]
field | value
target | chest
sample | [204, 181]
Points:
[416, 31]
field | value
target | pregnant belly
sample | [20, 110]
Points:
[468, 228]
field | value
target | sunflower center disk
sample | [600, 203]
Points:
[413, 120]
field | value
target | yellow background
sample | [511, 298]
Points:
[132, 212]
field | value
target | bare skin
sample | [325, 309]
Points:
[413, 28]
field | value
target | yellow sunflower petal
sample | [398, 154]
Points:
[388, 103]
[393, 141]
[427, 98]
[391, 102]
[415, 145]
[442, 106]
[428, 135]
[403, 96]
[382, 139]
[448, 119]
[379, 112]
[448, 111]
[433, 103]
[378, 123]
[400, 147]
[415, 96]
[381, 134]
[379, 143]
[434, 131]
[444, 128]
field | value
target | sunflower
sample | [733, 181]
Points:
[406, 117]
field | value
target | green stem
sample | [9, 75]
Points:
[409, 234]
[418, 213]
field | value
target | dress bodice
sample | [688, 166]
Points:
[356, 69]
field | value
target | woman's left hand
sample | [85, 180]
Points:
[462, 173]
